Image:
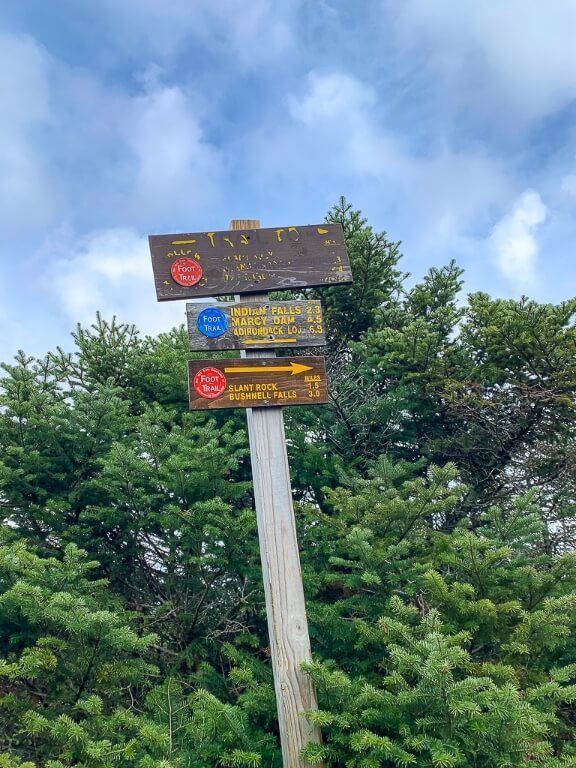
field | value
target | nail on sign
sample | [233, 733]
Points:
[257, 382]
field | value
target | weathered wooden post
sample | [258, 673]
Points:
[284, 593]
[249, 261]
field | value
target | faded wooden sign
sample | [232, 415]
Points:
[255, 325]
[256, 382]
[193, 265]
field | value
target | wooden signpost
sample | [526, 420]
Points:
[250, 261]
[255, 325]
[256, 383]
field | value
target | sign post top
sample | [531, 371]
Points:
[237, 224]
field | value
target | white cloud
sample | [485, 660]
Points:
[24, 72]
[108, 271]
[514, 239]
[333, 127]
[333, 116]
[103, 153]
[514, 59]
[329, 96]
[248, 32]
[569, 184]
[338, 134]
[176, 169]
[25, 185]
[114, 163]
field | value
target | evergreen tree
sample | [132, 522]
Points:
[441, 649]
[435, 508]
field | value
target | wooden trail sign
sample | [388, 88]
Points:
[297, 257]
[256, 382]
[255, 325]
[250, 260]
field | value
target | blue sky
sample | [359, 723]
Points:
[450, 124]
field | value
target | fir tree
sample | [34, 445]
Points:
[435, 512]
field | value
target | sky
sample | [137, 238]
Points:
[450, 124]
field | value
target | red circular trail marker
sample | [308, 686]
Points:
[186, 271]
[210, 383]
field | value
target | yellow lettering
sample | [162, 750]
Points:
[180, 252]
[286, 395]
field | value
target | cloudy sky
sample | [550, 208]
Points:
[450, 124]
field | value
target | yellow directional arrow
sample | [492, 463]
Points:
[267, 341]
[292, 368]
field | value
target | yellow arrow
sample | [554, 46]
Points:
[266, 341]
[292, 368]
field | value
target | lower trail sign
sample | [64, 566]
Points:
[256, 382]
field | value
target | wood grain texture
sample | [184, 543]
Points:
[283, 590]
[250, 260]
[284, 593]
[256, 383]
[255, 325]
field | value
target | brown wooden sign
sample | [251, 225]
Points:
[197, 264]
[255, 325]
[256, 382]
